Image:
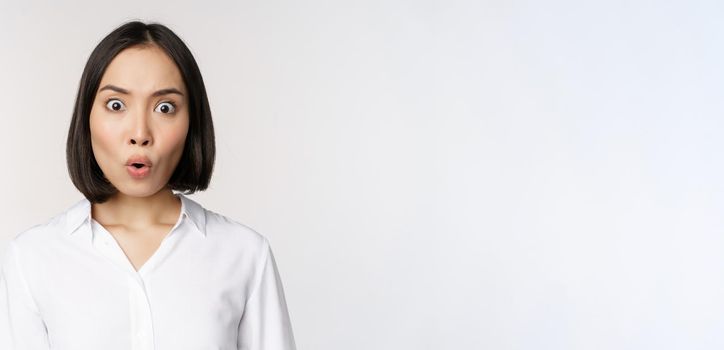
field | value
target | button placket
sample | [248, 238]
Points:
[104, 242]
[140, 314]
[142, 335]
[166, 244]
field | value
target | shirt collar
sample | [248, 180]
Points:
[80, 212]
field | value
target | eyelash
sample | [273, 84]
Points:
[173, 104]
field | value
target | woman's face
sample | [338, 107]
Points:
[140, 109]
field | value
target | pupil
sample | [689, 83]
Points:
[115, 105]
[164, 108]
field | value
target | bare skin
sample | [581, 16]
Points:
[128, 119]
[140, 239]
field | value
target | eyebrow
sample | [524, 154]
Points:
[155, 94]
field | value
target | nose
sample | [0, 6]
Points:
[140, 133]
[144, 142]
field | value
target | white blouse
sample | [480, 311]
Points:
[213, 283]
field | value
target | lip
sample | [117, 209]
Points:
[138, 173]
[138, 158]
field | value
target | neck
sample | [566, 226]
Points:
[163, 207]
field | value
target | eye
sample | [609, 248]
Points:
[166, 107]
[115, 105]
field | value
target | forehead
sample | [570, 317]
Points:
[143, 70]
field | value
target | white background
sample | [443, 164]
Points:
[433, 174]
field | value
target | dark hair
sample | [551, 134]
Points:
[193, 172]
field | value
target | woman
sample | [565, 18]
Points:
[135, 265]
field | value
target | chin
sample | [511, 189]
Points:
[139, 190]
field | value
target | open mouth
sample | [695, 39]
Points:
[139, 170]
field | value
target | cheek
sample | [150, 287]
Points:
[179, 135]
[101, 135]
[175, 139]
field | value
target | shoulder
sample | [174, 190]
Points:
[227, 230]
[219, 227]
[234, 242]
[35, 238]
[40, 233]
[44, 237]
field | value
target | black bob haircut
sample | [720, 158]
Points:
[193, 172]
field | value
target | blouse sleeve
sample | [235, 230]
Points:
[265, 324]
[21, 326]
